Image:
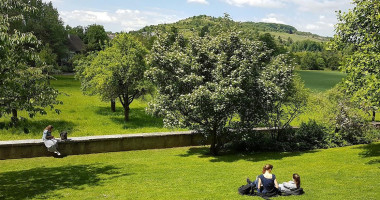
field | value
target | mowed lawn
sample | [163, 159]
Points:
[320, 81]
[83, 115]
[188, 173]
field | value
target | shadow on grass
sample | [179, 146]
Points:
[371, 150]
[36, 127]
[42, 182]
[137, 118]
[204, 152]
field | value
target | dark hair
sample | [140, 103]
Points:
[49, 128]
[267, 167]
[297, 180]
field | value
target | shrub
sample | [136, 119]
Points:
[311, 135]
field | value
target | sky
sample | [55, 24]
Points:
[315, 16]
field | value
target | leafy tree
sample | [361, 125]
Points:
[95, 37]
[45, 24]
[206, 82]
[359, 28]
[78, 30]
[116, 72]
[23, 84]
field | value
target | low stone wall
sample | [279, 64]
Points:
[99, 144]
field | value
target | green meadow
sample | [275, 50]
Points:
[83, 115]
[320, 81]
[189, 173]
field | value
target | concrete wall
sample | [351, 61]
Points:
[99, 144]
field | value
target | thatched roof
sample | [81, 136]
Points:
[75, 43]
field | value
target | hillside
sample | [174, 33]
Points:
[202, 24]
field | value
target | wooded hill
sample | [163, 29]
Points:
[203, 23]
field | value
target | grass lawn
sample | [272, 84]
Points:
[320, 81]
[84, 115]
[188, 173]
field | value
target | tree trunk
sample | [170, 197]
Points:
[214, 149]
[14, 115]
[373, 115]
[113, 105]
[126, 113]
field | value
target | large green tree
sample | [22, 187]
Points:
[23, 84]
[95, 37]
[359, 30]
[204, 82]
[117, 72]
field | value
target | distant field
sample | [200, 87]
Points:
[320, 81]
[83, 116]
[295, 37]
[190, 173]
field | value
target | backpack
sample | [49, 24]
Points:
[63, 135]
[246, 190]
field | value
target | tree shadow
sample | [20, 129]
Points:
[36, 127]
[42, 182]
[371, 151]
[204, 152]
[138, 118]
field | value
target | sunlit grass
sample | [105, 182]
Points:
[189, 173]
[83, 116]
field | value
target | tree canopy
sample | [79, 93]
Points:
[116, 72]
[359, 30]
[204, 82]
[23, 84]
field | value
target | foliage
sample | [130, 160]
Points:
[95, 37]
[78, 30]
[24, 85]
[359, 29]
[116, 72]
[306, 45]
[310, 135]
[44, 22]
[204, 82]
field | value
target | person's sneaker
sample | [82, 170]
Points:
[249, 181]
[57, 153]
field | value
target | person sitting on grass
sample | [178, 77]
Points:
[49, 140]
[266, 182]
[291, 185]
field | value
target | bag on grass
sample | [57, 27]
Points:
[246, 190]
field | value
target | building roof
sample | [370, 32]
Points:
[75, 43]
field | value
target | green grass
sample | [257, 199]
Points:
[188, 173]
[83, 116]
[320, 81]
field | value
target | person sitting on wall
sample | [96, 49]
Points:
[49, 140]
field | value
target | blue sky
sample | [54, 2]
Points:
[316, 16]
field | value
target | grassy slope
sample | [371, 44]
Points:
[320, 81]
[187, 173]
[85, 115]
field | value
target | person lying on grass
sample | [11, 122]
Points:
[291, 185]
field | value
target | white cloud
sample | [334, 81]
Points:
[119, 20]
[318, 6]
[312, 27]
[272, 18]
[198, 1]
[257, 3]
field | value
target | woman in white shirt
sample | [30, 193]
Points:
[49, 140]
[291, 185]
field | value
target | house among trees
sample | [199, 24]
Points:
[75, 44]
